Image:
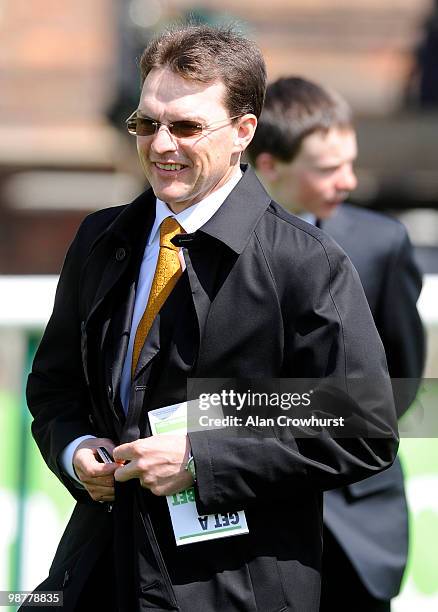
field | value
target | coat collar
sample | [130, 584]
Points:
[232, 224]
[135, 221]
[236, 219]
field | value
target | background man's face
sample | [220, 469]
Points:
[321, 176]
[204, 162]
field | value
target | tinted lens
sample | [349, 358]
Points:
[144, 126]
[185, 129]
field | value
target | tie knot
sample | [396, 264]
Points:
[168, 229]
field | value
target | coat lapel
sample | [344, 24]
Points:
[150, 347]
[121, 338]
[121, 247]
[117, 263]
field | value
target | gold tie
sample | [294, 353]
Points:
[167, 272]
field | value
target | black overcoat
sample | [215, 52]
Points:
[264, 295]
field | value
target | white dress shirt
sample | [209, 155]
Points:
[190, 219]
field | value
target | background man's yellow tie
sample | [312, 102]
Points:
[167, 272]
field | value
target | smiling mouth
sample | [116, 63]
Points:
[170, 167]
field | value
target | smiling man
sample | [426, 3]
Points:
[183, 171]
[196, 278]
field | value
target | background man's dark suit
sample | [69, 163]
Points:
[369, 519]
[263, 295]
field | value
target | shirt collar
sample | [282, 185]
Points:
[194, 217]
[308, 217]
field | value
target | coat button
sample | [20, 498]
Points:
[120, 254]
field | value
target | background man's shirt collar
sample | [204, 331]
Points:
[308, 217]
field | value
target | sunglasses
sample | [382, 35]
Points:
[144, 126]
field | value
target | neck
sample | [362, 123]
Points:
[233, 173]
[295, 210]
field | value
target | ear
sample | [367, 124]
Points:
[245, 128]
[266, 167]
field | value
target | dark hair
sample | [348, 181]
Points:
[295, 108]
[206, 54]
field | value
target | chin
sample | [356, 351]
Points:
[167, 195]
[176, 202]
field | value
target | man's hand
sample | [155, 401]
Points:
[158, 462]
[97, 477]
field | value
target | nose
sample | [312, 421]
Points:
[163, 141]
[347, 179]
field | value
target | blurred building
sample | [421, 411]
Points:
[68, 77]
[59, 157]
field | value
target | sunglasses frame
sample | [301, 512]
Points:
[171, 126]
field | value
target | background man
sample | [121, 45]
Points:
[197, 278]
[303, 151]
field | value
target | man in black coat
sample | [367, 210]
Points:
[303, 151]
[255, 294]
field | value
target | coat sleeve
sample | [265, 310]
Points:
[399, 323]
[56, 391]
[329, 335]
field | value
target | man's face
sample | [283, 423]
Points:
[203, 162]
[321, 176]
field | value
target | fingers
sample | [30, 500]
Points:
[168, 486]
[100, 488]
[145, 473]
[97, 477]
[102, 481]
[165, 448]
[128, 451]
[126, 472]
[148, 470]
[157, 462]
[100, 493]
[87, 465]
[85, 457]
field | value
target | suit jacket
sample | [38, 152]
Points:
[263, 296]
[369, 519]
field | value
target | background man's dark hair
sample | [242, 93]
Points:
[206, 54]
[295, 108]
